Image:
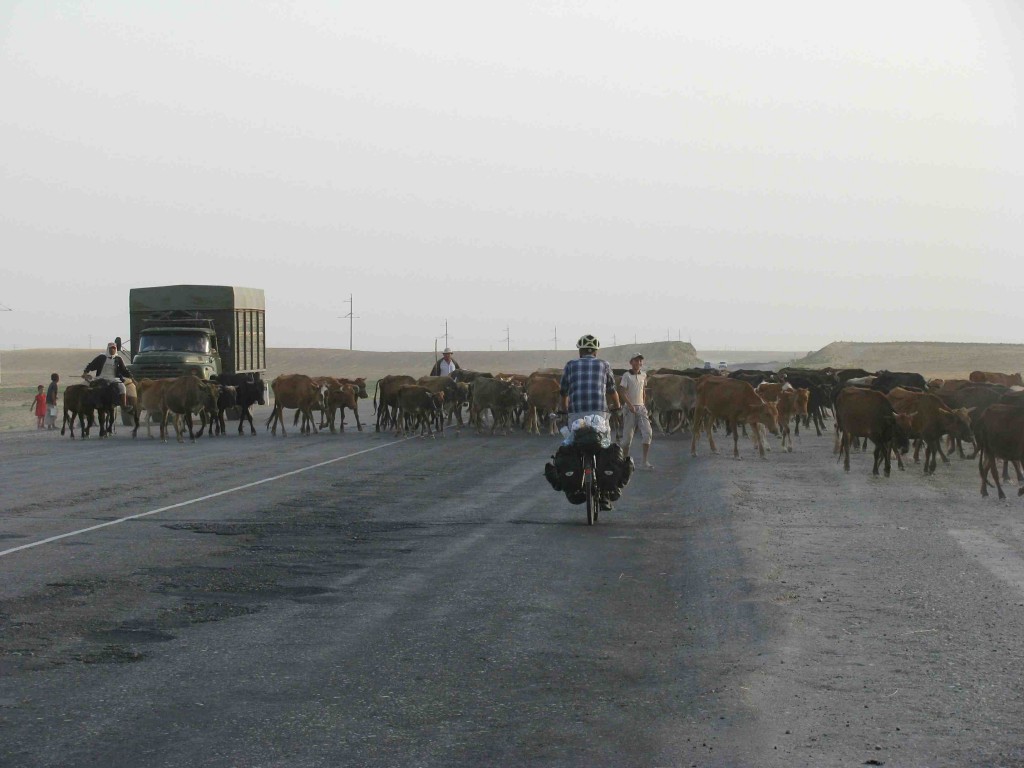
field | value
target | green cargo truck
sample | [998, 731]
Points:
[206, 330]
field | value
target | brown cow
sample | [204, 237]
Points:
[930, 420]
[992, 377]
[455, 395]
[419, 407]
[976, 398]
[735, 402]
[150, 393]
[295, 390]
[786, 404]
[186, 395]
[501, 398]
[1000, 435]
[331, 384]
[768, 391]
[868, 413]
[671, 399]
[542, 400]
[338, 398]
[388, 387]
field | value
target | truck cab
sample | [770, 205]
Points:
[164, 351]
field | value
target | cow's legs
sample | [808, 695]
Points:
[995, 473]
[983, 472]
[698, 420]
[191, 427]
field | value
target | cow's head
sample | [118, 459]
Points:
[801, 399]
[768, 414]
[957, 423]
[902, 425]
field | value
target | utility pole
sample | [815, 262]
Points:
[507, 340]
[445, 337]
[4, 308]
[556, 337]
[351, 317]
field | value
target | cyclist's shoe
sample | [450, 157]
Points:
[604, 505]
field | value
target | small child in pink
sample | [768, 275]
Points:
[39, 406]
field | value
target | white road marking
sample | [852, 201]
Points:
[1003, 561]
[51, 539]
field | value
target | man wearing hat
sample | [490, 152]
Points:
[635, 417]
[110, 368]
[445, 365]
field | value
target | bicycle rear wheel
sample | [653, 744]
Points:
[590, 485]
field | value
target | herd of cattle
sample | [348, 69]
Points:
[890, 409]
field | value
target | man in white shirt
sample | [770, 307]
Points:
[635, 416]
[111, 368]
[445, 365]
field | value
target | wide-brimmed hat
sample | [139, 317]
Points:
[447, 351]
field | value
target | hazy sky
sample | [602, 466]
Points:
[739, 174]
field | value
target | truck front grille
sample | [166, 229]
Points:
[161, 371]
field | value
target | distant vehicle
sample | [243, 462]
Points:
[723, 366]
[206, 330]
[707, 365]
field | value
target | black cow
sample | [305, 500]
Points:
[462, 375]
[249, 392]
[227, 398]
[845, 374]
[1000, 435]
[693, 373]
[822, 387]
[753, 377]
[82, 400]
[888, 380]
[241, 391]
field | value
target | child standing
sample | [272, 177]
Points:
[39, 405]
[51, 402]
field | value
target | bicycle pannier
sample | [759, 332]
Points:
[613, 471]
[569, 468]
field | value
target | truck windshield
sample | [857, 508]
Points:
[175, 342]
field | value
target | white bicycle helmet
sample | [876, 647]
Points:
[588, 342]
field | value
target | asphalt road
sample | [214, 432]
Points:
[357, 600]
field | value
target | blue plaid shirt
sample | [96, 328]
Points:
[586, 380]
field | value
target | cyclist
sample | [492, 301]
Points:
[587, 387]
